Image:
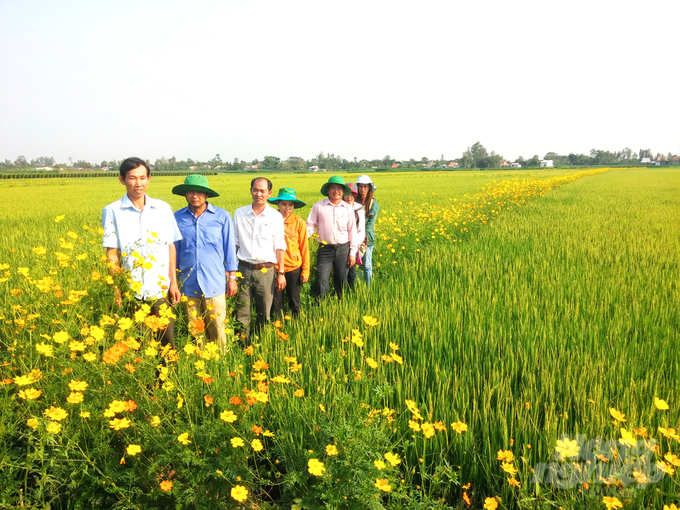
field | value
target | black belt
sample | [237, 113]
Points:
[335, 246]
[248, 265]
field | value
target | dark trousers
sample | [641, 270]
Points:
[292, 291]
[331, 257]
[352, 276]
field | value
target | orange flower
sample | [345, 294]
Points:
[130, 368]
[130, 405]
[113, 355]
[166, 485]
[207, 380]
[235, 401]
[208, 400]
[198, 326]
[257, 429]
[282, 336]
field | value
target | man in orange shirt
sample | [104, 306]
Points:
[296, 256]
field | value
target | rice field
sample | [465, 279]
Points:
[518, 349]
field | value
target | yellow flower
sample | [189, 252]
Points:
[59, 218]
[508, 468]
[133, 450]
[155, 421]
[85, 414]
[672, 459]
[567, 448]
[120, 423]
[39, 250]
[32, 422]
[184, 438]
[315, 467]
[256, 445]
[627, 438]
[75, 397]
[383, 485]
[372, 363]
[394, 346]
[89, 356]
[44, 349]
[672, 507]
[30, 394]
[55, 413]
[490, 504]
[228, 416]
[612, 503]
[428, 430]
[370, 321]
[280, 379]
[392, 458]
[617, 415]
[237, 442]
[331, 450]
[76, 346]
[505, 456]
[53, 427]
[239, 493]
[661, 405]
[514, 483]
[60, 337]
[379, 465]
[76, 385]
[459, 427]
[414, 425]
[299, 393]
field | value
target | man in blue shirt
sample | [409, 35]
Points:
[206, 257]
[139, 235]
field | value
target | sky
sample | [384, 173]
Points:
[102, 80]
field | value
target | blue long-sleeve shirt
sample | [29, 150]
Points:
[206, 251]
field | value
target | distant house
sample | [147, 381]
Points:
[646, 161]
[314, 168]
[504, 163]
[255, 167]
[105, 169]
[547, 162]
[515, 165]
[44, 168]
[675, 160]
[454, 164]
[395, 165]
[193, 167]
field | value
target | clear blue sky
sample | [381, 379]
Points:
[107, 79]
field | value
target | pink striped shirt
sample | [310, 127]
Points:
[335, 224]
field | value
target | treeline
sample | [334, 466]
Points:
[476, 156]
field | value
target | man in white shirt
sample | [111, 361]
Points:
[260, 243]
[139, 235]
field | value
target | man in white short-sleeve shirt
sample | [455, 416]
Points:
[260, 243]
[139, 235]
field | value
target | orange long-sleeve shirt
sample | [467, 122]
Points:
[297, 247]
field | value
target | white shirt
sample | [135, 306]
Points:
[258, 236]
[143, 238]
[360, 214]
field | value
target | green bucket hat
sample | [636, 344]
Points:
[336, 179]
[287, 195]
[195, 182]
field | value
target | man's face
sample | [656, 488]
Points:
[286, 207]
[135, 181]
[260, 192]
[335, 192]
[196, 199]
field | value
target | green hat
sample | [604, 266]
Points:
[287, 195]
[195, 182]
[336, 179]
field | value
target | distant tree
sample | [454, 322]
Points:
[535, 161]
[387, 161]
[21, 162]
[81, 163]
[7, 163]
[271, 162]
[478, 153]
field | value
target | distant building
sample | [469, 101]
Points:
[646, 161]
[675, 160]
[547, 162]
[44, 168]
[255, 167]
[395, 165]
[454, 164]
[515, 165]
[314, 168]
[504, 163]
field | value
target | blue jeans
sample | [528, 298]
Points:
[368, 265]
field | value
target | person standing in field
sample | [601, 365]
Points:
[333, 220]
[366, 188]
[206, 257]
[360, 218]
[139, 235]
[296, 258]
[260, 244]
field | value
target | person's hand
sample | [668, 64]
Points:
[303, 279]
[280, 282]
[352, 259]
[174, 294]
[118, 298]
[232, 287]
